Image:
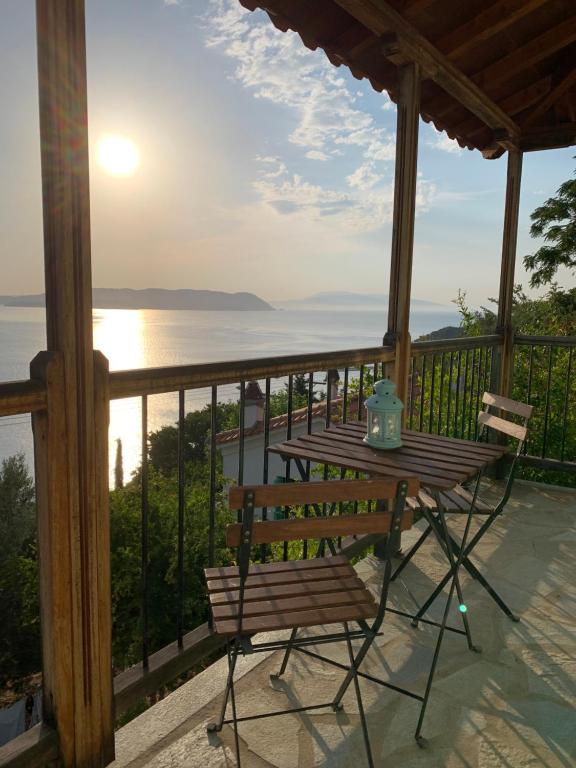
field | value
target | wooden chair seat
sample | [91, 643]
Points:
[456, 500]
[299, 593]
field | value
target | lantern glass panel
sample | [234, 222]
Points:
[392, 425]
[375, 424]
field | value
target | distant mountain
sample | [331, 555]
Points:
[351, 299]
[448, 332]
[156, 298]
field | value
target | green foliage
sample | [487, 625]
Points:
[541, 374]
[125, 529]
[17, 507]
[555, 221]
[20, 648]
[164, 442]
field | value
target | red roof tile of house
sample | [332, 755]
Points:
[298, 416]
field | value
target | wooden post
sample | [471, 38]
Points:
[509, 238]
[398, 334]
[71, 454]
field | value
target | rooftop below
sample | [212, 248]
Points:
[513, 705]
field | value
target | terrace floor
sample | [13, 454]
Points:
[513, 705]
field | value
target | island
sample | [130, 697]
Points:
[157, 298]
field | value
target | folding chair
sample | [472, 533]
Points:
[461, 500]
[250, 598]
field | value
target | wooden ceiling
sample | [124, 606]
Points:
[495, 73]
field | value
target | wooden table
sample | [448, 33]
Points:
[440, 462]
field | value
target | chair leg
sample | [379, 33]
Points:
[235, 719]
[453, 562]
[359, 699]
[473, 571]
[284, 664]
[420, 740]
[232, 656]
[454, 566]
[336, 703]
[406, 559]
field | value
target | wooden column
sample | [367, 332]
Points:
[398, 334]
[509, 239]
[71, 453]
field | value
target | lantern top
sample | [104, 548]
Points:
[384, 397]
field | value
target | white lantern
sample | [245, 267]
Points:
[384, 416]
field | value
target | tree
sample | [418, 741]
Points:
[163, 596]
[555, 221]
[539, 370]
[17, 506]
[20, 649]
[197, 424]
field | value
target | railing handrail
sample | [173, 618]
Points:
[153, 381]
[545, 341]
[29, 395]
[24, 396]
[453, 345]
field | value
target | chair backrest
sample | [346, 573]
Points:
[331, 491]
[505, 404]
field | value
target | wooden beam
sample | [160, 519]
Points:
[556, 93]
[382, 19]
[514, 104]
[497, 17]
[407, 117]
[553, 137]
[528, 54]
[76, 663]
[508, 263]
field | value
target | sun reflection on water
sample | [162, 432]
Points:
[119, 334]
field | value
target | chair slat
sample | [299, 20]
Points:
[506, 404]
[297, 619]
[286, 605]
[271, 579]
[330, 491]
[294, 528]
[286, 590]
[501, 425]
[288, 565]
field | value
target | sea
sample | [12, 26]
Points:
[150, 338]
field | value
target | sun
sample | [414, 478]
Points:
[118, 155]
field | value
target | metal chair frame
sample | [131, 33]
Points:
[437, 523]
[242, 643]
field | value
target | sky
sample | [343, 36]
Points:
[263, 167]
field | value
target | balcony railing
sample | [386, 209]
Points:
[445, 390]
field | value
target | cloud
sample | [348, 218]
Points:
[444, 143]
[329, 122]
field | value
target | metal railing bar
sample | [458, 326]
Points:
[144, 532]
[432, 392]
[212, 493]
[547, 406]
[566, 401]
[181, 500]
